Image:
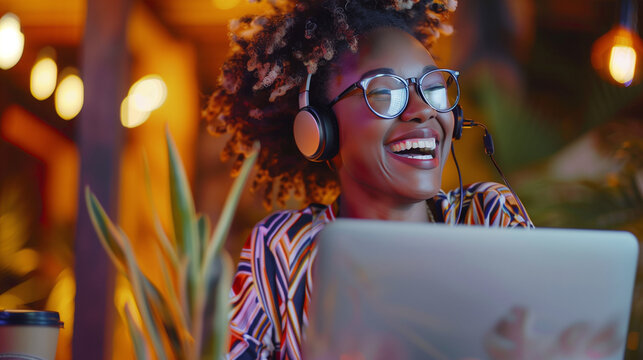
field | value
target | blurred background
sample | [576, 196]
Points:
[87, 86]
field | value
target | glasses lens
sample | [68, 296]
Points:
[387, 95]
[440, 89]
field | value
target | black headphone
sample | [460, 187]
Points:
[316, 133]
[315, 129]
[458, 122]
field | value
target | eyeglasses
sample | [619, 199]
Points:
[387, 95]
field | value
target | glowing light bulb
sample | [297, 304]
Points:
[148, 93]
[622, 63]
[225, 4]
[131, 116]
[69, 96]
[43, 78]
[614, 55]
[12, 41]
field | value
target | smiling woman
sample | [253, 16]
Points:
[372, 117]
[271, 57]
[395, 183]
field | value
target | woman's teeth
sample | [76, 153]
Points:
[423, 149]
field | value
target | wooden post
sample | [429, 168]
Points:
[105, 69]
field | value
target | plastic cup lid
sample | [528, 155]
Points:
[30, 317]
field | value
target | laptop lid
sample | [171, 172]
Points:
[393, 290]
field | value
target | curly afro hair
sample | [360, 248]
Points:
[271, 54]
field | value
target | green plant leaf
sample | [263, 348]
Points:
[173, 305]
[213, 249]
[222, 309]
[197, 292]
[226, 217]
[198, 319]
[138, 281]
[207, 275]
[147, 297]
[107, 233]
[141, 348]
[203, 225]
[183, 214]
[162, 313]
[182, 277]
[166, 245]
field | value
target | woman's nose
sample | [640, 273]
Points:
[417, 109]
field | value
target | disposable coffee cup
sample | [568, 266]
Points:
[28, 334]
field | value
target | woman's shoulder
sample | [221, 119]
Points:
[478, 189]
[489, 189]
[473, 189]
[291, 225]
[294, 218]
[484, 203]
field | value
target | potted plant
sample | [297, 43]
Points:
[187, 317]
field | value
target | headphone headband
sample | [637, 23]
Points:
[315, 129]
[304, 99]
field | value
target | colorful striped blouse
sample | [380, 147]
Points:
[271, 290]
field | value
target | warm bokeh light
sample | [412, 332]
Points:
[132, 117]
[148, 93]
[69, 96]
[614, 55]
[622, 64]
[12, 41]
[43, 78]
[226, 4]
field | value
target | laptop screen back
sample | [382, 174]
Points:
[385, 290]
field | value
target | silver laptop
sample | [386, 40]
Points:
[392, 290]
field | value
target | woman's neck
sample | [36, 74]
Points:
[356, 202]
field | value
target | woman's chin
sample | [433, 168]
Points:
[421, 192]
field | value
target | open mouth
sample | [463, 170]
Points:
[416, 148]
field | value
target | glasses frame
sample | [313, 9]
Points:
[363, 84]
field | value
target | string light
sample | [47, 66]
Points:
[131, 116]
[12, 41]
[145, 96]
[148, 93]
[44, 74]
[614, 55]
[622, 64]
[69, 95]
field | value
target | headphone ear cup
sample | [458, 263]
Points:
[316, 134]
[458, 121]
[331, 132]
